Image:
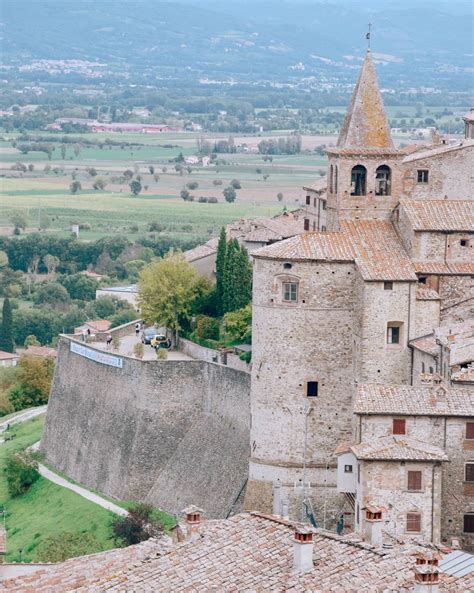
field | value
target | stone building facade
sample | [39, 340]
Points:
[341, 306]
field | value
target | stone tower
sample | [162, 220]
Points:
[363, 180]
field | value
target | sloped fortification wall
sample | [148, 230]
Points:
[166, 432]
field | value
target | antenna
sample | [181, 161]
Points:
[367, 36]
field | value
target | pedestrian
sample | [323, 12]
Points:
[109, 341]
[137, 329]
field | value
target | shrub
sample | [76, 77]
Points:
[235, 183]
[115, 343]
[162, 354]
[203, 200]
[138, 526]
[34, 376]
[212, 200]
[246, 356]
[192, 185]
[239, 324]
[139, 350]
[207, 327]
[58, 547]
[217, 182]
[21, 471]
[123, 317]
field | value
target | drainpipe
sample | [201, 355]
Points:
[432, 502]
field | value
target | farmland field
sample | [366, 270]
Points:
[43, 193]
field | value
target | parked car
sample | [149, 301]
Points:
[148, 334]
[161, 341]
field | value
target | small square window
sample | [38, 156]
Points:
[422, 279]
[469, 472]
[388, 285]
[414, 522]
[469, 523]
[414, 483]
[469, 430]
[323, 228]
[422, 176]
[290, 292]
[348, 469]
[463, 242]
[312, 389]
[399, 426]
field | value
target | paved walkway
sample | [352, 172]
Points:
[126, 349]
[96, 498]
[21, 417]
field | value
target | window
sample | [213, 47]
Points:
[335, 179]
[414, 522]
[308, 200]
[314, 202]
[431, 370]
[312, 389]
[323, 228]
[323, 204]
[290, 292]
[463, 242]
[287, 266]
[358, 180]
[422, 279]
[422, 367]
[393, 333]
[414, 480]
[358, 473]
[348, 469]
[306, 224]
[399, 426]
[331, 172]
[469, 430]
[388, 285]
[422, 176]
[383, 181]
[469, 472]
[469, 523]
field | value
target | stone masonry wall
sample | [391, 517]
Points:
[168, 432]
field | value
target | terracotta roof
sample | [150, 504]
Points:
[318, 185]
[372, 244]
[404, 400]
[38, 351]
[99, 325]
[361, 151]
[437, 150]
[426, 294]
[439, 215]
[365, 124]
[7, 355]
[274, 229]
[246, 553]
[398, 449]
[426, 344]
[200, 251]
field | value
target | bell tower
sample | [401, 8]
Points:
[362, 168]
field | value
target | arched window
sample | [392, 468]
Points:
[331, 170]
[358, 180]
[335, 179]
[383, 181]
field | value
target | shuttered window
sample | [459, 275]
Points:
[469, 472]
[469, 430]
[469, 523]
[399, 426]
[306, 224]
[414, 522]
[414, 480]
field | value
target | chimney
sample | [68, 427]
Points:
[426, 573]
[193, 518]
[277, 505]
[303, 548]
[373, 525]
[284, 510]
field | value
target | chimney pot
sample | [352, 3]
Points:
[193, 515]
[373, 525]
[277, 504]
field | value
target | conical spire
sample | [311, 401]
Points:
[365, 124]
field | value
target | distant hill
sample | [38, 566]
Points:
[245, 39]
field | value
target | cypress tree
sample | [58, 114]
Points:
[243, 273]
[230, 276]
[6, 329]
[220, 263]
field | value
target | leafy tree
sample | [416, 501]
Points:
[45, 324]
[31, 341]
[123, 317]
[51, 293]
[139, 525]
[185, 195]
[217, 182]
[279, 196]
[51, 262]
[77, 149]
[128, 174]
[207, 327]
[45, 222]
[80, 287]
[92, 171]
[6, 329]
[63, 151]
[156, 177]
[220, 262]
[61, 546]
[229, 194]
[135, 187]
[99, 183]
[238, 324]
[235, 183]
[167, 289]
[18, 220]
[75, 186]
[192, 185]
[22, 472]
[104, 307]
[33, 383]
[151, 168]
